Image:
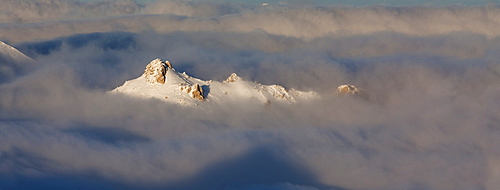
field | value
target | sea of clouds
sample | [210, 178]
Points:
[431, 119]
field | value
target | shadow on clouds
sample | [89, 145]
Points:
[115, 136]
[105, 41]
[258, 168]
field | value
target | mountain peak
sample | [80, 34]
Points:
[156, 70]
[351, 90]
[232, 78]
[163, 82]
[347, 89]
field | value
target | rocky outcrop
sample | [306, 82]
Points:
[168, 64]
[156, 70]
[348, 89]
[232, 78]
[351, 90]
[195, 91]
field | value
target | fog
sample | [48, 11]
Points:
[431, 118]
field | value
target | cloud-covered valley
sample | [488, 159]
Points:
[431, 119]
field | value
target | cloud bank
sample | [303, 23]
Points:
[64, 18]
[431, 120]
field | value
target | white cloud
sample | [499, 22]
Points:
[431, 121]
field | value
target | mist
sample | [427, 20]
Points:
[431, 118]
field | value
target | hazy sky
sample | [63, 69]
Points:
[354, 2]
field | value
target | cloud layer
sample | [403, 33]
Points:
[431, 120]
[64, 18]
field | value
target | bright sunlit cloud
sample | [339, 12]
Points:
[430, 120]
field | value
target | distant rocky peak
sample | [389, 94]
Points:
[347, 89]
[352, 91]
[233, 78]
[156, 70]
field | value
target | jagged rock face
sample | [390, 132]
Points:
[347, 89]
[155, 71]
[233, 78]
[168, 64]
[195, 91]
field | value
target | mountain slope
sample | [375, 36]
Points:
[12, 62]
[160, 80]
[10, 53]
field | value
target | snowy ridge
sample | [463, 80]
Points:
[161, 81]
[9, 52]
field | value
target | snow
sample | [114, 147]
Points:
[9, 52]
[180, 88]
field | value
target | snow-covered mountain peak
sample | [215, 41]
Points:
[161, 81]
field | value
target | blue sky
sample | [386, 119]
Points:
[357, 2]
